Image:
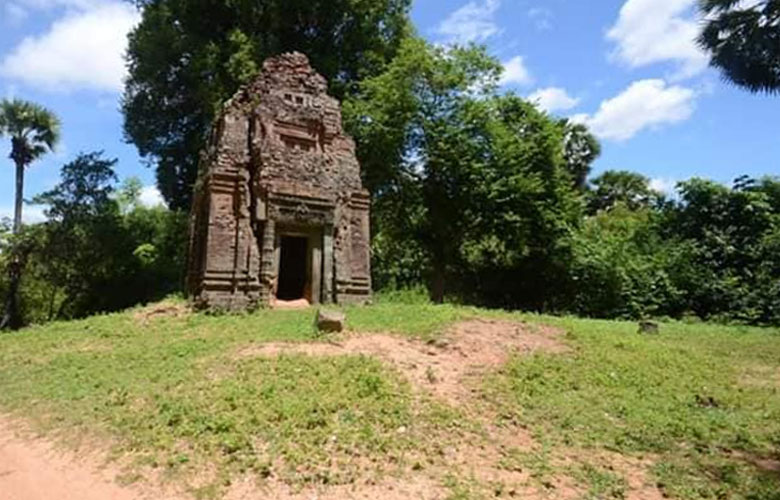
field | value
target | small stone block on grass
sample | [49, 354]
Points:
[331, 321]
[649, 328]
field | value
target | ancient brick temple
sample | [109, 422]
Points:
[279, 213]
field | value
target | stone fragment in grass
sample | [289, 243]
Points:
[649, 328]
[330, 321]
[706, 402]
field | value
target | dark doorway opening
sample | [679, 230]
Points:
[292, 268]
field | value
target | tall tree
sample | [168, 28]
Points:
[743, 39]
[83, 231]
[620, 186]
[580, 150]
[187, 56]
[33, 130]
[465, 180]
[412, 139]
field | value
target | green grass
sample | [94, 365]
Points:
[689, 396]
[175, 394]
[602, 483]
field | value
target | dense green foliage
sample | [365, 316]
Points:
[470, 187]
[615, 187]
[98, 250]
[481, 197]
[620, 266]
[711, 254]
[187, 56]
[731, 236]
[743, 39]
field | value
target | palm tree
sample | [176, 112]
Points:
[742, 40]
[33, 130]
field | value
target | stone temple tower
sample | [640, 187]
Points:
[279, 212]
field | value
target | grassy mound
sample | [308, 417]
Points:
[171, 392]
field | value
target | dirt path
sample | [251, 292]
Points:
[32, 469]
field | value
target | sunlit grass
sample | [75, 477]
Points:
[683, 396]
[174, 393]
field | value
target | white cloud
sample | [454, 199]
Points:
[151, 197]
[515, 72]
[655, 31]
[474, 22]
[31, 214]
[553, 99]
[82, 50]
[542, 18]
[663, 185]
[51, 4]
[645, 104]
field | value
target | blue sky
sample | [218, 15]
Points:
[627, 68]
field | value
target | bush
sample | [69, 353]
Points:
[620, 267]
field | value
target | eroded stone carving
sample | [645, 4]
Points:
[279, 210]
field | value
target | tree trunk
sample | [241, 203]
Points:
[437, 288]
[11, 317]
[52, 298]
[19, 197]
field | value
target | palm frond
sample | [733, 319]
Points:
[34, 128]
[743, 40]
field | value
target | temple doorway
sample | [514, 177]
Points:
[293, 263]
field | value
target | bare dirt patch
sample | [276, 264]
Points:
[164, 309]
[34, 469]
[488, 463]
[291, 304]
[770, 465]
[634, 470]
[762, 376]
[640, 485]
[447, 367]
[419, 487]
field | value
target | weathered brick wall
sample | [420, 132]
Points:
[277, 161]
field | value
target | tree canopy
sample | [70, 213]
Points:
[743, 39]
[620, 187]
[99, 249]
[187, 56]
[580, 149]
[465, 179]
